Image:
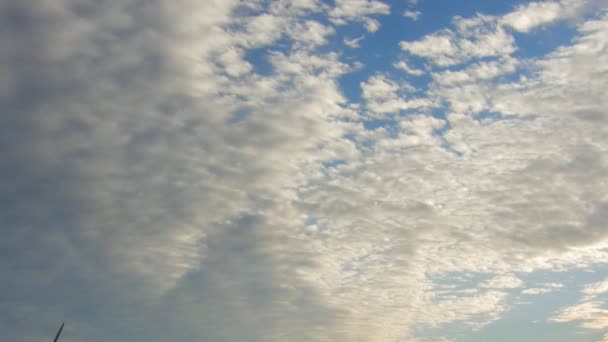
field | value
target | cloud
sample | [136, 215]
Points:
[542, 288]
[413, 15]
[595, 289]
[474, 38]
[157, 185]
[382, 96]
[487, 194]
[489, 36]
[353, 43]
[402, 65]
[529, 16]
[536, 291]
[479, 310]
[503, 282]
[129, 159]
[311, 32]
[590, 313]
[476, 72]
[358, 10]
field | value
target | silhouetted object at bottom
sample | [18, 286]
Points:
[58, 333]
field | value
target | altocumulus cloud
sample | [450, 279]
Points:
[193, 170]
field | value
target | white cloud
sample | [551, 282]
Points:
[493, 198]
[353, 43]
[591, 314]
[485, 36]
[264, 29]
[310, 33]
[542, 288]
[233, 62]
[413, 15]
[382, 95]
[479, 310]
[296, 7]
[476, 72]
[378, 87]
[474, 38]
[536, 291]
[371, 25]
[431, 45]
[358, 10]
[529, 16]
[595, 289]
[402, 65]
[503, 282]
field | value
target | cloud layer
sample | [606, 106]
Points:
[193, 171]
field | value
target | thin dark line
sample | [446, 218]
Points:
[59, 332]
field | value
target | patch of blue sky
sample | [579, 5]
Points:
[443, 11]
[543, 40]
[527, 318]
[239, 115]
[574, 278]
[490, 117]
[521, 330]
[434, 16]
[311, 221]
[378, 50]
[332, 164]
[373, 124]
[522, 72]
[259, 58]
[546, 39]
[385, 42]
[439, 113]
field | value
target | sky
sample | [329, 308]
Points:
[304, 170]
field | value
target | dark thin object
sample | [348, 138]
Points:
[58, 333]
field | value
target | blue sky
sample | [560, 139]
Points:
[304, 170]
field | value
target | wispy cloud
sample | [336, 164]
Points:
[402, 65]
[542, 288]
[353, 43]
[413, 15]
